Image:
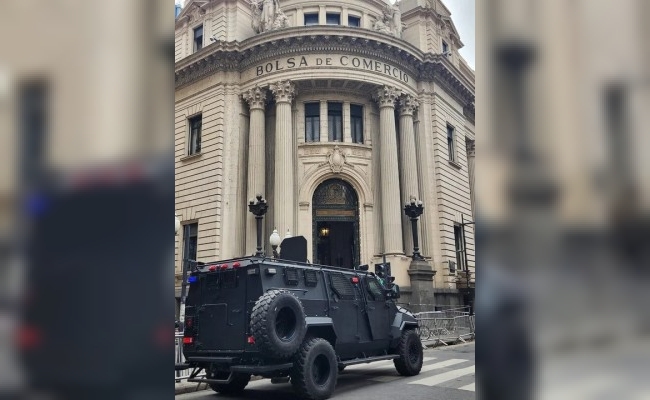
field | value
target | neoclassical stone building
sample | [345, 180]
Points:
[337, 112]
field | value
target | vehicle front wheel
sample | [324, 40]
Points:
[236, 385]
[315, 369]
[410, 354]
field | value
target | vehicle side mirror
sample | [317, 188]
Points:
[363, 267]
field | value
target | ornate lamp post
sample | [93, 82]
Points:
[258, 208]
[413, 210]
[275, 242]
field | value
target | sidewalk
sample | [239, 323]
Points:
[433, 343]
[187, 387]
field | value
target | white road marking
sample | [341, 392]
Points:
[444, 377]
[442, 364]
[471, 387]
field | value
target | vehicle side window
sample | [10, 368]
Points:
[342, 286]
[375, 290]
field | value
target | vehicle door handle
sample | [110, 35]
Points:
[371, 308]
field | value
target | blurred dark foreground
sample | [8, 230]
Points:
[86, 190]
[563, 199]
[86, 199]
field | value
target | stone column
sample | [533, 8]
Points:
[256, 99]
[471, 154]
[284, 199]
[390, 193]
[324, 133]
[347, 131]
[408, 164]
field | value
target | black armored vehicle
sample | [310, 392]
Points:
[291, 320]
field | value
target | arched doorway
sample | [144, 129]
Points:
[335, 224]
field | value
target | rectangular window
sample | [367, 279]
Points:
[356, 123]
[198, 38]
[335, 121]
[445, 47]
[354, 21]
[195, 134]
[461, 261]
[312, 122]
[451, 143]
[190, 237]
[311, 19]
[333, 19]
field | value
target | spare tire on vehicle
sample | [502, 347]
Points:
[278, 323]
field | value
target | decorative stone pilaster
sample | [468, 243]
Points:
[471, 155]
[408, 163]
[256, 99]
[284, 197]
[390, 193]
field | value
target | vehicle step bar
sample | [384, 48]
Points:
[219, 360]
[181, 367]
[367, 360]
[260, 368]
[207, 380]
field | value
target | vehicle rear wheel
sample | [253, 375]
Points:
[278, 323]
[410, 354]
[236, 385]
[315, 370]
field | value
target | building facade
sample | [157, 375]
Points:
[338, 113]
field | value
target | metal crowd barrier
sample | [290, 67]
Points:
[445, 327]
[184, 374]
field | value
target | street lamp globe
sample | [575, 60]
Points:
[275, 242]
[177, 225]
[275, 238]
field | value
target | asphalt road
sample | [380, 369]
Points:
[447, 374]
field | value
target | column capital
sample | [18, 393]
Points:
[386, 96]
[284, 91]
[408, 104]
[471, 148]
[255, 97]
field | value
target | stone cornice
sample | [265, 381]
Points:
[236, 56]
